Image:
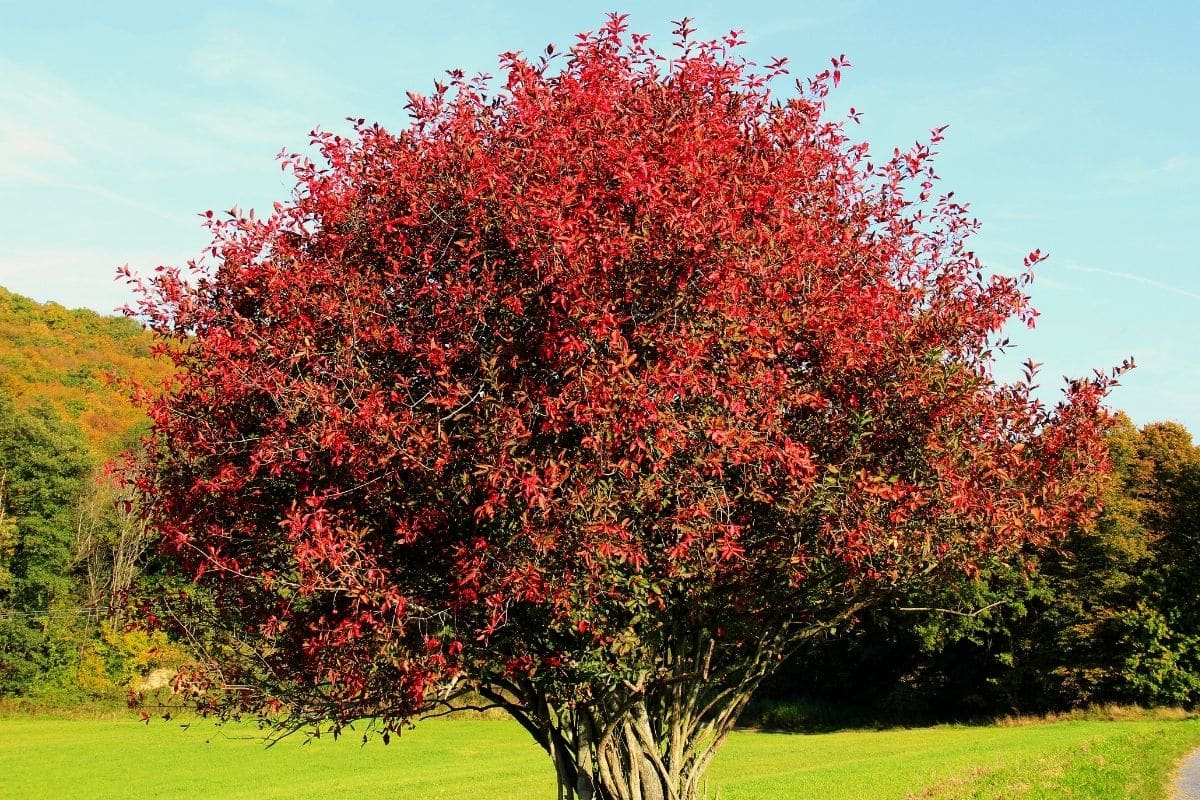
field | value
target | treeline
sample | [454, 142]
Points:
[1110, 615]
[70, 548]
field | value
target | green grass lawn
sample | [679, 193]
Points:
[57, 758]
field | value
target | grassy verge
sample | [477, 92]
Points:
[451, 759]
[1082, 759]
[96, 709]
[1133, 765]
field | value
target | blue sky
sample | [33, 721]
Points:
[1074, 128]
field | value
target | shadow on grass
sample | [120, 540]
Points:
[772, 715]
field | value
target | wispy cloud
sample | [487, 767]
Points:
[128, 202]
[1018, 214]
[1177, 168]
[230, 56]
[1042, 280]
[51, 134]
[252, 125]
[1135, 278]
[35, 142]
[75, 276]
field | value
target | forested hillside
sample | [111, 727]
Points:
[64, 360]
[70, 550]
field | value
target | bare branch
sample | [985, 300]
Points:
[934, 610]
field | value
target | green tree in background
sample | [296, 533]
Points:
[1109, 615]
[1119, 621]
[45, 465]
[1162, 631]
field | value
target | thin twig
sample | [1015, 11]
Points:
[968, 614]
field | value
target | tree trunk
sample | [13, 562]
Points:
[628, 757]
[652, 739]
[621, 767]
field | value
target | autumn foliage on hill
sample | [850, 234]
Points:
[594, 394]
[65, 359]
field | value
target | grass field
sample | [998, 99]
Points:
[463, 759]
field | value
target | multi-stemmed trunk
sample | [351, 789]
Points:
[628, 759]
[652, 739]
[621, 752]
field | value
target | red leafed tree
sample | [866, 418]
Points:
[594, 396]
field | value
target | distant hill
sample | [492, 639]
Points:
[61, 357]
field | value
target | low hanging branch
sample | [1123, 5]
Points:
[597, 393]
[968, 614]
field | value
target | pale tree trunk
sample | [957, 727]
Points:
[110, 542]
[652, 740]
[8, 539]
[632, 757]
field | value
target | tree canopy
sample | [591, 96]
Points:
[594, 394]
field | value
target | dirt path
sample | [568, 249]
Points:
[1187, 780]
